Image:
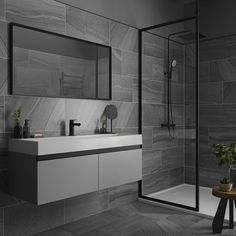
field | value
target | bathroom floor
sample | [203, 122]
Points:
[138, 219]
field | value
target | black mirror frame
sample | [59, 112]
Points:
[10, 70]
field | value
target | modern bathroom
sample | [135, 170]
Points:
[117, 117]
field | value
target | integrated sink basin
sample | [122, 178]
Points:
[65, 144]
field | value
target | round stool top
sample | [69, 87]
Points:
[228, 195]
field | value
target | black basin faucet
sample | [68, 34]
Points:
[71, 126]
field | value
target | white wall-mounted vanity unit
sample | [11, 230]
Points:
[44, 170]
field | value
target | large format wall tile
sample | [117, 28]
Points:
[3, 76]
[84, 25]
[75, 22]
[153, 45]
[160, 180]
[152, 91]
[122, 88]
[211, 93]
[218, 115]
[2, 9]
[213, 49]
[123, 37]
[47, 14]
[39, 218]
[229, 92]
[223, 70]
[46, 114]
[152, 161]
[3, 39]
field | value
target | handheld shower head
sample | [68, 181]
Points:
[173, 63]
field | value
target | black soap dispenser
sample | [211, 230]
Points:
[26, 129]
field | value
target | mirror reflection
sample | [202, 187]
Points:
[52, 65]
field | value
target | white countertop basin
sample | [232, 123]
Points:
[65, 144]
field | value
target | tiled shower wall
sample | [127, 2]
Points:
[163, 157]
[50, 115]
[217, 105]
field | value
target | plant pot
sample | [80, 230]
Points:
[18, 132]
[226, 187]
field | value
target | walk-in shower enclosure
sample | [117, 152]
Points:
[168, 57]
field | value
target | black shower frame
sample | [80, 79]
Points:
[196, 18]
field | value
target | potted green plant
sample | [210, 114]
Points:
[226, 156]
[17, 118]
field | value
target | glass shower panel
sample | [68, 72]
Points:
[168, 114]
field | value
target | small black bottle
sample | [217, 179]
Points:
[26, 129]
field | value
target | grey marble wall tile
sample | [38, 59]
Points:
[152, 91]
[190, 113]
[152, 160]
[135, 91]
[153, 114]
[173, 158]
[129, 64]
[3, 39]
[46, 114]
[178, 115]
[231, 45]
[122, 88]
[217, 115]
[190, 77]
[204, 71]
[97, 29]
[190, 94]
[152, 68]
[211, 93]
[213, 49]
[116, 61]
[2, 9]
[147, 137]
[49, 15]
[84, 25]
[85, 205]
[190, 175]
[127, 115]
[190, 55]
[123, 37]
[161, 139]
[229, 92]
[224, 135]
[223, 70]
[190, 153]
[2, 119]
[160, 180]
[124, 194]
[3, 76]
[76, 22]
[153, 45]
[211, 177]
[27, 219]
[177, 93]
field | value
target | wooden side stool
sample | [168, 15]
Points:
[218, 221]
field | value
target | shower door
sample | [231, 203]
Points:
[169, 112]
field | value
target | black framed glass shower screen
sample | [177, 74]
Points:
[168, 118]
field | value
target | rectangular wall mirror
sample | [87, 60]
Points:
[51, 65]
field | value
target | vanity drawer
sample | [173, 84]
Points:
[68, 177]
[117, 168]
